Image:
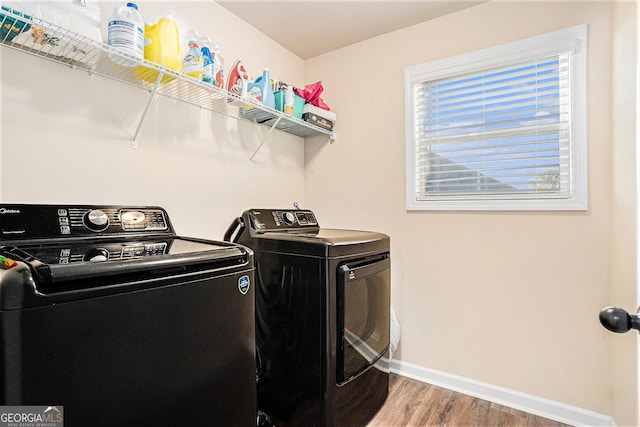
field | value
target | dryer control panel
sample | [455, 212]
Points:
[276, 219]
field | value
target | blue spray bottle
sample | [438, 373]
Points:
[209, 74]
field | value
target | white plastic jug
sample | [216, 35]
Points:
[126, 33]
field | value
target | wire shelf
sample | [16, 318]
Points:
[55, 43]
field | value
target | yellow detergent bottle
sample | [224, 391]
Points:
[162, 46]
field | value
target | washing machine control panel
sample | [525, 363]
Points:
[268, 220]
[19, 222]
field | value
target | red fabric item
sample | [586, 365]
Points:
[311, 94]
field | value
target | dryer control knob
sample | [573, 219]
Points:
[96, 220]
[288, 218]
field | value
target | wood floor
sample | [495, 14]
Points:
[414, 403]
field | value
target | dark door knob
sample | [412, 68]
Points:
[618, 319]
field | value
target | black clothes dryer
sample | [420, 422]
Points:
[109, 315]
[322, 318]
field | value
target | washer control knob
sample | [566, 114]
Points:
[96, 255]
[288, 218]
[96, 220]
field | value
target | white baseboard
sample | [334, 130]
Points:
[514, 399]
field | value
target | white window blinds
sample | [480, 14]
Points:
[503, 128]
[501, 132]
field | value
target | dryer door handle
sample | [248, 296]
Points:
[237, 226]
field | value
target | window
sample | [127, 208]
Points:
[500, 129]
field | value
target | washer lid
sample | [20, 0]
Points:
[44, 274]
[57, 262]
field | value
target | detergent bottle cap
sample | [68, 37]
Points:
[190, 34]
[133, 5]
[168, 14]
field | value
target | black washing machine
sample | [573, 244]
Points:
[322, 318]
[111, 318]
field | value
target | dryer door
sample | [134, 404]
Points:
[363, 314]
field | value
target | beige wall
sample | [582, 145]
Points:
[623, 292]
[507, 298]
[66, 135]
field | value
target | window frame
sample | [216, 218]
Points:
[574, 40]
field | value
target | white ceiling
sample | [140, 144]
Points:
[309, 28]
